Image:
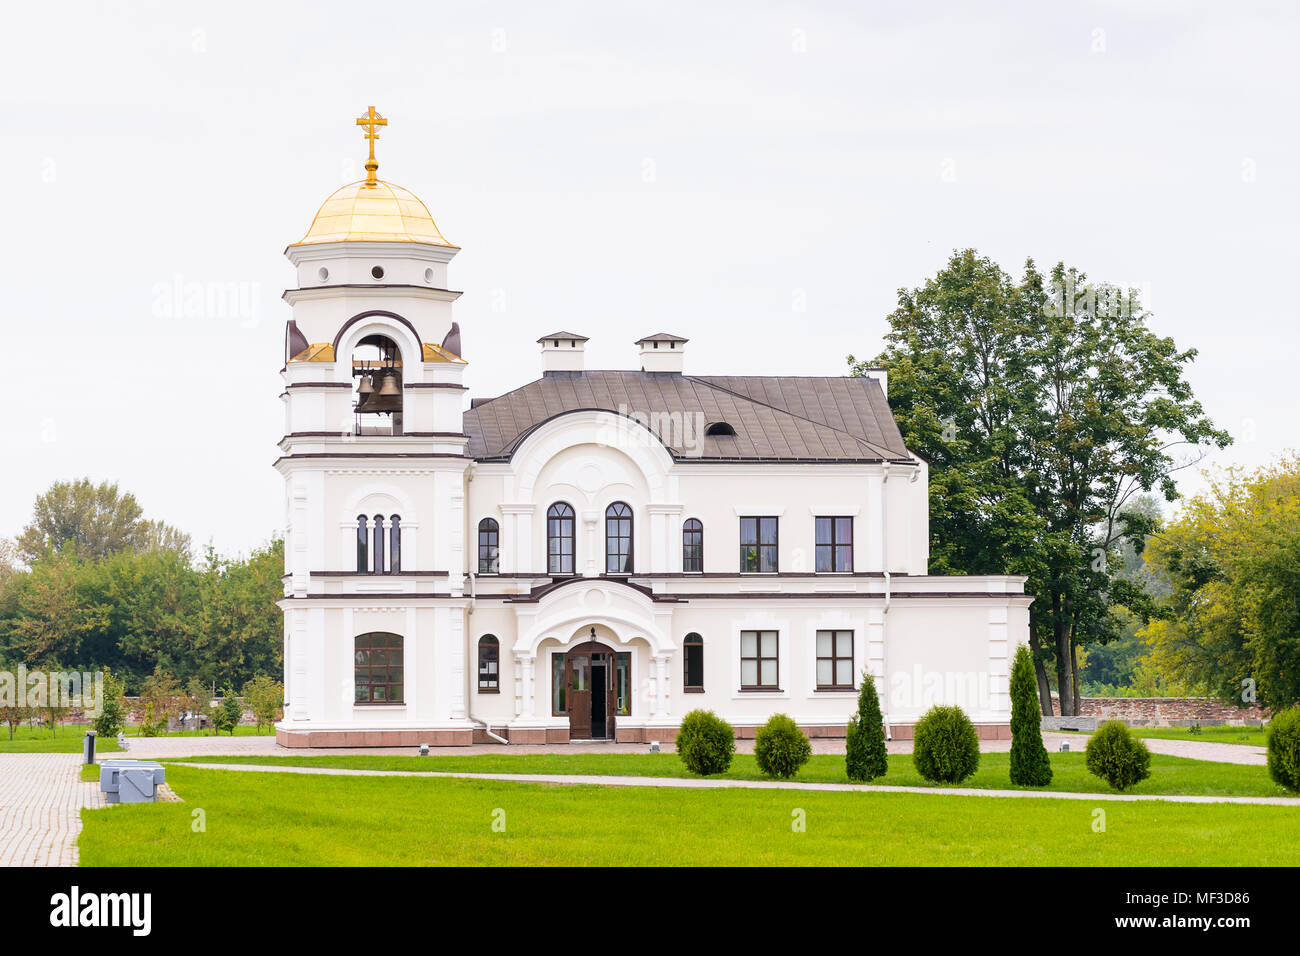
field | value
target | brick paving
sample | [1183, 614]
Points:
[41, 796]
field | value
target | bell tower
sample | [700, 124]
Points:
[373, 459]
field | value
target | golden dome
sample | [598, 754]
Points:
[373, 212]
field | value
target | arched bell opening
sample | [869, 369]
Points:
[377, 390]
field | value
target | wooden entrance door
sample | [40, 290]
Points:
[590, 707]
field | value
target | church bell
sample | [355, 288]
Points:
[388, 398]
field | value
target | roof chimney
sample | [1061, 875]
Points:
[662, 352]
[562, 352]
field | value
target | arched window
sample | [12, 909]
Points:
[489, 546]
[489, 660]
[363, 545]
[377, 398]
[618, 539]
[693, 663]
[377, 668]
[395, 544]
[693, 545]
[720, 430]
[377, 542]
[559, 539]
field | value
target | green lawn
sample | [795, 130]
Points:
[1216, 735]
[39, 740]
[1169, 775]
[68, 740]
[255, 819]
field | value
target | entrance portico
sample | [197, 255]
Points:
[592, 663]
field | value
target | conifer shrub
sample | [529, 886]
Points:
[780, 747]
[1118, 757]
[706, 743]
[865, 754]
[945, 747]
[1284, 748]
[1030, 765]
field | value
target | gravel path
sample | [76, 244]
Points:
[692, 783]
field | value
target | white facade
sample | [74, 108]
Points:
[924, 639]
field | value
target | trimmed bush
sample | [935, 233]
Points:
[1118, 757]
[1030, 765]
[865, 755]
[780, 747]
[706, 743]
[1284, 748]
[945, 748]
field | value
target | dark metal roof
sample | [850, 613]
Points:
[662, 337]
[794, 418]
[574, 336]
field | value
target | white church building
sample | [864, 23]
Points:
[597, 552]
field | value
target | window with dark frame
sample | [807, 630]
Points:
[618, 539]
[363, 545]
[377, 543]
[835, 660]
[834, 544]
[489, 663]
[693, 545]
[377, 668]
[758, 545]
[395, 544]
[489, 546]
[559, 539]
[759, 665]
[559, 685]
[693, 663]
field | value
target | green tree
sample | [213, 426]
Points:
[1044, 407]
[1231, 622]
[163, 698]
[112, 715]
[92, 520]
[198, 698]
[264, 697]
[865, 755]
[228, 713]
[1030, 765]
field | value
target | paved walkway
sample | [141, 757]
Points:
[699, 784]
[41, 796]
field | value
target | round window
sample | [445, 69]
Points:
[377, 272]
[323, 273]
[428, 275]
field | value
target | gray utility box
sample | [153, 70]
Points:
[131, 781]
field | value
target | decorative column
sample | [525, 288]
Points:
[525, 686]
[659, 672]
[591, 569]
[999, 672]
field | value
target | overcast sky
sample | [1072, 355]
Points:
[615, 170]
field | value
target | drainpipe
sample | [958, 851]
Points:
[884, 618]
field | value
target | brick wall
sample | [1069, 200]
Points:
[1158, 711]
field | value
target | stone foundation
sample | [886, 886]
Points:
[374, 738]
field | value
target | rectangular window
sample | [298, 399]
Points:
[758, 545]
[834, 544]
[759, 667]
[693, 678]
[377, 668]
[835, 660]
[623, 665]
[557, 685]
